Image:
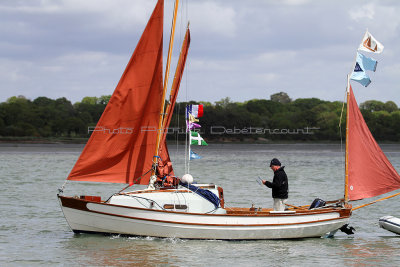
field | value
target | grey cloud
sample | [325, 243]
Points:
[239, 49]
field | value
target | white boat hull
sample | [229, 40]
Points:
[390, 223]
[99, 217]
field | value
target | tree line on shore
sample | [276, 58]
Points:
[276, 119]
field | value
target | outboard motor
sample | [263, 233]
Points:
[349, 230]
[317, 203]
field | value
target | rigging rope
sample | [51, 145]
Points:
[129, 185]
[61, 190]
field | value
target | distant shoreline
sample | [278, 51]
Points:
[35, 140]
[6, 141]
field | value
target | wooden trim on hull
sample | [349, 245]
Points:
[80, 204]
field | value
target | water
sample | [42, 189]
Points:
[33, 231]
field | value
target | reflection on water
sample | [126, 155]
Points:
[342, 251]
[375, 252]
[33, 230]
[98, 250]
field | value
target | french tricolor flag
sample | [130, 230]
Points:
[195, 110]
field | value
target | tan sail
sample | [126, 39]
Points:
[370, 173]
[121, 147]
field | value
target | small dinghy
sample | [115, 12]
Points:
[390, 223]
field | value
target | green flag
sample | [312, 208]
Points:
[196, 139]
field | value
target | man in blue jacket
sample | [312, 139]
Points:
[279, 185]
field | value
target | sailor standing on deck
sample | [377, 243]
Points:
[279, 185]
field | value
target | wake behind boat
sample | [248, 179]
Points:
[128, 146]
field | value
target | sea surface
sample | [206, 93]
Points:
[33, 231]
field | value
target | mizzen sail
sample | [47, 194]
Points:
[370, 172]
[121, 147]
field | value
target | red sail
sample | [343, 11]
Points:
[370, 172]
[121, 147]
[166, 167]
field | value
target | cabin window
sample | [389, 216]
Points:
[177, 207]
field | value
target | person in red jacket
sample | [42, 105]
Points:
[279, 185]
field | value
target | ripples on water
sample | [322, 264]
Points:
[33, 230]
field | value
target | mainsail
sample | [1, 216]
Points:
[369, 171]
[121, 147]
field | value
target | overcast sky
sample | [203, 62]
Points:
[240, 49]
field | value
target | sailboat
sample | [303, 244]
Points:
[128, 146]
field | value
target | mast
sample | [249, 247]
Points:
[189, 151]
[177, 79]
[163, 151]
[160, 130]
[346, 172]
[346, 175]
